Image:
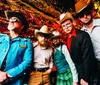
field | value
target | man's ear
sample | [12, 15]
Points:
[74, 22]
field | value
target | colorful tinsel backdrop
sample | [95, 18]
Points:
[38, 13]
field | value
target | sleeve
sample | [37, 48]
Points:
[71, 63]
[51, 60]
[25, 64]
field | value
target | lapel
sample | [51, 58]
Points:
[73, 44]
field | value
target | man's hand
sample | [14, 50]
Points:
[75, 83]
[48, 71]
[82, 82]
[4, 76]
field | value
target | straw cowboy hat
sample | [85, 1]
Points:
[81, 4]
[55, 34]
[65, 16]
[43, 30]
[20, 16]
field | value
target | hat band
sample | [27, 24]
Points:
[14, 19]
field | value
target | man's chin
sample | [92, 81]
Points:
[11, 28]
[43, 45]
[56, 45]
[88, 22]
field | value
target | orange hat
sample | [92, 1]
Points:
[81, 4]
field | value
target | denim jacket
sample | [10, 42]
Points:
[18, 54]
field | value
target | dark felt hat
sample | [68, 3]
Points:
[20, 16]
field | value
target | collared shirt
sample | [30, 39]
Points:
[70, 62]
[43, 57]
[95, 37]
[69, 38]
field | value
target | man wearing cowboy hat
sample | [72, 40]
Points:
[66, 70]
[92, 27]
[80, 47]
[15, 50]
[42, 61]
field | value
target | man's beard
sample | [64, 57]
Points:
[56, 45]
[45, 44]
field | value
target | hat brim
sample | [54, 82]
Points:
[53, 37]
[82, 9]
[42, 33]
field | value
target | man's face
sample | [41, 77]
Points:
[42, 40]
[56, 42]
[67, 26]
[85, 18]
[14, 23]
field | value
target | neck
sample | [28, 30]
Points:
[42, 47]
[89, 26]
[13, 34]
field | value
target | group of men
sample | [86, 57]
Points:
[77, 61]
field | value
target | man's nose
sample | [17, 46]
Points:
[85, 15]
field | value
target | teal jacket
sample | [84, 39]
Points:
[18, 54]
